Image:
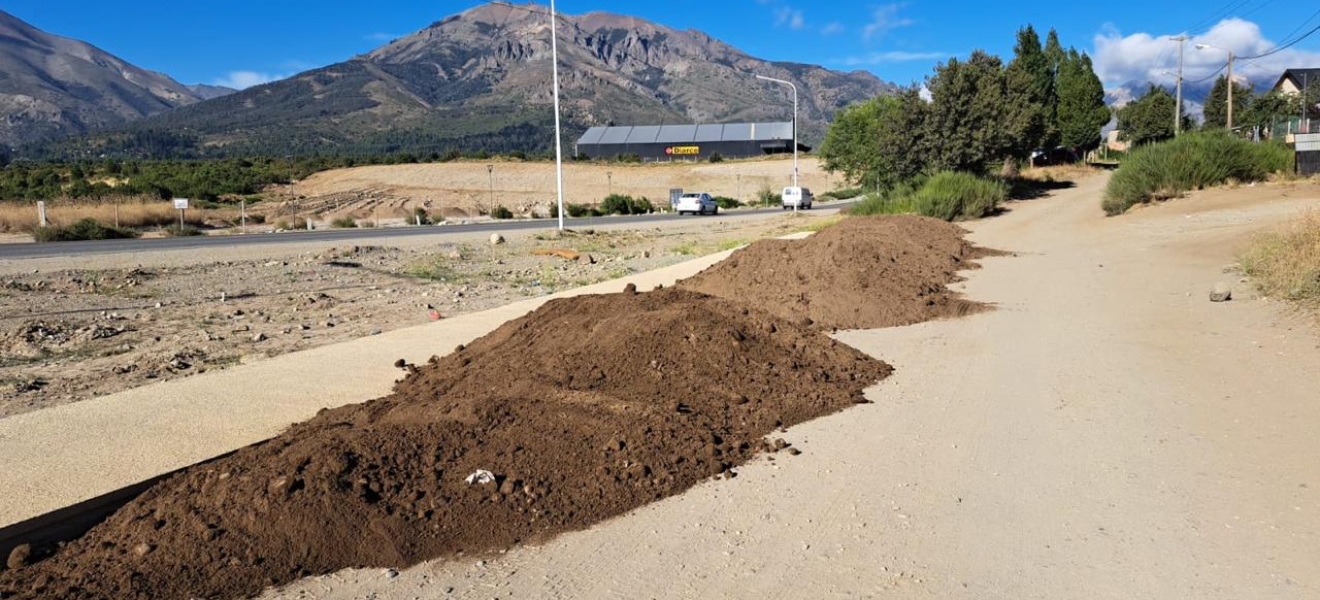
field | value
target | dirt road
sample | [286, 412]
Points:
[1108, 433]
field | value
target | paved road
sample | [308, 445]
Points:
[22, 251]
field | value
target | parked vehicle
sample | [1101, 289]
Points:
[797, 197]
[697, 203]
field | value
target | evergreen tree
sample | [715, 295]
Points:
[1216, 104]
[1148, 119]
[1082, 109]
[1029, 84]
[966, 127]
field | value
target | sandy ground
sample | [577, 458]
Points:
[72, 329]
[461, 189]
[1108, 433]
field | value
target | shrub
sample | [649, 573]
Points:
[769, 197]
[421, 216]
[726, 202]
[893, 201]
[298, 223]
[580, 210]
[85, 229]
[628, 158]
[1286, 263]
[953, 195]
[344, 223]
[500, 212]
[256, 219]
[716, 157]
[616, 204]
[185, 230]
[1191, 162]
[843, 194]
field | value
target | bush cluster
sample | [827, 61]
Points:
[950, 195]
[1191, 162]
[85, 229]
[726, 202]
[618, 204]
[501, 212]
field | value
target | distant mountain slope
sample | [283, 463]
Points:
[481, 80]
[52, 86]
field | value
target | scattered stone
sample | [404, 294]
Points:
[391, 573]
[1222, 292]
[794, 452]
[586, 259]
[260, 337]
[143, 549]
[19, 556]
[630, 289]
[496, 239]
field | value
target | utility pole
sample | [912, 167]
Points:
[1230, 91]
[1177, 118]
[1229, 81]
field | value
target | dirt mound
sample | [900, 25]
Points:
[864, 272]
[580, 411]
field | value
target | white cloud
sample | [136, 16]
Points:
[834, 28]
[1123, 61]
[787, 16]
[245, 79]
[883, 20]
[893, 56]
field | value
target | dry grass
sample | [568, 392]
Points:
[1054, 173]
[134, 214]
[1286, 263]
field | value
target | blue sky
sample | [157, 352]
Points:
[242, 42]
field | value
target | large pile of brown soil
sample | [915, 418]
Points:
[584, 409]
[865, 272]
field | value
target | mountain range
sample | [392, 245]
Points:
[52, 86]
[476, 80]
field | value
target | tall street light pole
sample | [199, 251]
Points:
[559, 149]
[795, 119]
[1177, 118]
[1229, 81]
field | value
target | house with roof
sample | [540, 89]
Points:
[1293, 81]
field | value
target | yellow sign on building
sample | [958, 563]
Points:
[683, 150]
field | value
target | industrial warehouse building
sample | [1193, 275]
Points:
[688, 142]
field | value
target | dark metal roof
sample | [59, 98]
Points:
[678, 134]
[1299, 77]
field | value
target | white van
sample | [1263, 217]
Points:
[797, 197]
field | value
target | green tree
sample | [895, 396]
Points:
[1148, 119]
[878, 143]
[1216, 104]
[1029, 84]
[1268, 108]
[966, 126]
[1082, 110]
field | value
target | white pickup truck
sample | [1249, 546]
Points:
[697, 203]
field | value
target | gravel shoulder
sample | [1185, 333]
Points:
[77, 328]
[1107, 433]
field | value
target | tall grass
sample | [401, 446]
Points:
[1286, 263]
[22, 217]
[1191, 162]
[949, 195]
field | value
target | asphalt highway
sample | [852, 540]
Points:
[100, 247]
